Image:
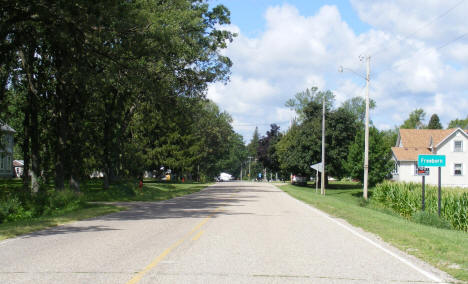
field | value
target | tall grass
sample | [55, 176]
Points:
[405, 198]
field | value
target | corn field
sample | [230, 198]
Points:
[405, 198]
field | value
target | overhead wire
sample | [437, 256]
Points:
[426, 24]
[401, 63]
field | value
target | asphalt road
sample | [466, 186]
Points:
[228, 233]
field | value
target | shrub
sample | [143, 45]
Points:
[11, 209]
[19, 206]
[430, 219]
[59, 201]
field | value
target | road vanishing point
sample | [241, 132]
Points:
[235, 232]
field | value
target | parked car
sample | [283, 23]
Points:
[298, 180]
[224, 177]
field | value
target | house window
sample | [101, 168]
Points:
[395, 168]
[2, 161]
[458, 169]
[8, 165]
[458, 146]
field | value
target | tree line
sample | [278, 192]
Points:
[416, 120]
[115, 86]
[299, 147]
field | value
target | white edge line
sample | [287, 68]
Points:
[405, 261]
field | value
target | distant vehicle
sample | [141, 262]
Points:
[298, 180]
[224, 177]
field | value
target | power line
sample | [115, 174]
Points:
[452, 41]
[401, 63]
[443, 14]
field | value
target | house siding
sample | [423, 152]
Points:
[6, 155]
[406, 169]
[452, 158]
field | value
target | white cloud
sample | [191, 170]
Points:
[240, 95]
[295, 52]
[421, 19]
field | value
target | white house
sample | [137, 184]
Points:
[6, 150]
[453, 143]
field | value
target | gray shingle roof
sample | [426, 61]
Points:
[6, 128]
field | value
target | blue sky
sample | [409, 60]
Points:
[284, 47]
[248, 14]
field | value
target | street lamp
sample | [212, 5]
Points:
[366, 137]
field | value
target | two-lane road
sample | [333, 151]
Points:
[228, 233]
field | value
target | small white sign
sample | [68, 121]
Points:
[422, 171]
[317, 167]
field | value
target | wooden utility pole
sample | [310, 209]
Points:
[322, 191]
[366, 138]
[241, 173]
[250, 158]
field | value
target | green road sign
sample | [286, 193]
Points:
[431, 160]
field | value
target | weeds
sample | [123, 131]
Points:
[430, 219]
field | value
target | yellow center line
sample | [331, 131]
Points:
[200, 225]
[155, 262]
[197, 236]
[160, 257]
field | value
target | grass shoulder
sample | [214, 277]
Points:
[443, 248]
[21, 227]
[22, 212]
[151, 191]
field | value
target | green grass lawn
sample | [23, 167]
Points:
[13, 229]
[445, 249]
[151, 191]
[91, 191]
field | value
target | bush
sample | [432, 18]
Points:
[65, 200]
[430, 219]
[405, 198]
[19, 206]
[8, 207]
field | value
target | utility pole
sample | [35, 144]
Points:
[366, 137]
[322, 191]
[250, 158]
[241, 173]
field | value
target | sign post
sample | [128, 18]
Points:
[439, 194]
[423, 193]
[423, 172]
[433, 161]
[318, 168]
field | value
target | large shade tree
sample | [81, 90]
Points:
[301, 145]
[84, 76]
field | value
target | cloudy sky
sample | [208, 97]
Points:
[418, 50]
